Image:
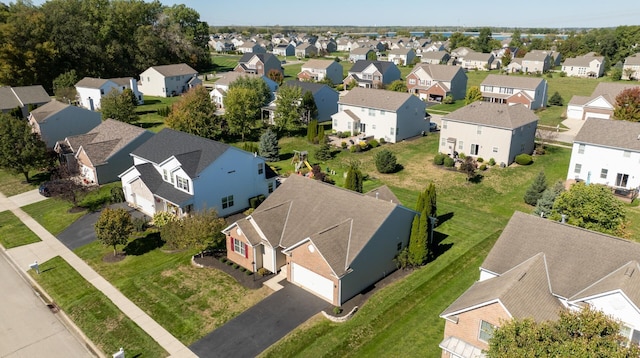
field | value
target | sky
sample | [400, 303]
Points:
[462, 13]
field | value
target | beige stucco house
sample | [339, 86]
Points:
[531, 92]
[168, 80]
[587, 66]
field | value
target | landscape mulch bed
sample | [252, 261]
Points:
[212, 259]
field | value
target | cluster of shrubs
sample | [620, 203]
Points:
[250, 147]
[225, 260]
[362, 146]
[164, 111]
[255, 201]
[346, 134]
[447, 161]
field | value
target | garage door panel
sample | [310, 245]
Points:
[310, 280]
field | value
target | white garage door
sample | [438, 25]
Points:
[310, 280]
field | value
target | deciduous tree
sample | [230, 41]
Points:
[473, 94]
[114, 227]
[119, 106]
[397, 86]
[200, 230]
[195, 114]
[21, 150]
[287, 114]
[276, 76]
[469, 166]
[628, 105]
[308, 108]
[64, 86]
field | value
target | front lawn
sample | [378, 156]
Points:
[104, 324]
[187, 301]
[13, 184]
[13, 232]
[54, 214]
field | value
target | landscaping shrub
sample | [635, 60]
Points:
[340, 87]
[462, 156]
[243, 269]
[373, 143]
[346, 134]
[337, 310]
[556, 99]
[448, 100]
[449, 162]
[161, 218]
[492, 162]
[355, 148]
[263, 271]
[117, 195]
[139, 224]
[483, 167]
[223, 259]
[524, 159]
[235, 266]
[386, 162]
[364, 146]
[382, 141]
[562, 74]
[250, 147]
[343, 145]
[248, 273]
[439, 159]
[229, 263]
[480, 160]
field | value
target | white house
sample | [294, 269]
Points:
[587, 66]
[489, 130]
[631, 68]
[91, 90]
[168, 80]
[318, 70]
[600, 104]
[375, 113]
[55, 121]
[402, 56]
[529, 91]
[607, 152]
[24, 98]
[179, 172]
[221, 86]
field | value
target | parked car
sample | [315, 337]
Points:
[433, 126]
[44, 190]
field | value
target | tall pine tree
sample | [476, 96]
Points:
[268, 146]
[354, 178]
[536, 189]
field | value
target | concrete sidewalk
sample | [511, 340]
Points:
[50, 247]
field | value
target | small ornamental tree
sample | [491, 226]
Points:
[276, 76]
[195, 113]
[627, 106]
[469, 166]
[268, 146]
[114, 227]
[556, 99]
[473, 95]
[397, 86]
[119, 106]
[386, 161]
[536, 189]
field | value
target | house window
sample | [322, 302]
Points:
[373, 126]
[382, 113]
[165, 175]
[494, 149]
[372, 112]
[460, 145]
[444, 124]
[581, 149]
[486, 331]
[577, 168]
[474, 149]
[626, 154]
[227, 201]
[335, 123]
[399, 246]
[603, 173]
[443, 142]
[391, 131]
[621, 180]
[260, 168]
[270, 187]
[182, 183]
[239, 247]
[349, 125]
[479, 130]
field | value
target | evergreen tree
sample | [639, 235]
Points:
[536, 189]
[308, 108]
[324, 152]
[414, 239]
[321, 137]
[268, 146]
[354, 178]
[418, 239]
[544, 206]
[312, 130]
[430, 200]
[556, 99]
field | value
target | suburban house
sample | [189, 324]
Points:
[54, 121]
[24, 98]
[168, 80]
[435, 57]
[325, 97]
[479, 61]
[587, 66]
[529, 91]
[360, 54]
[402, 56]
[328, 45]
[318, 70]
[489, 130]
[102, 154]
[600, 104]
[258, 63]
[284, 49]
[222, 45]
[91, 90]
[536, 62]
[372, 74]
[179, 173]
[306, 49]
[330, 241]
[435, 82]
[250, 47]
[538, 267]
[221, 86]
[631, 68]
[375, 113]
[607, 152]
[515, 65]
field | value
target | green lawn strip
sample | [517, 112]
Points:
[13, 232]
[93, 312]
[224, 63]
[148, 112]
[187, 301]
[53, 214]
[98, 197]
[13, 184]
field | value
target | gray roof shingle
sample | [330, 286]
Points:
[494, 115]
[521, 82]
[179, 69]
[48, 109]
[106, 139]
[152, 179]
[362, 65]
[375, 98]
[610, 133]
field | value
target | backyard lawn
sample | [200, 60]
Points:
[13, 232]
[99, 319]
[148, 112]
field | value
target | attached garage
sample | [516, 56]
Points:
[313, 282]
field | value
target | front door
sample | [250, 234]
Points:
[363, 128]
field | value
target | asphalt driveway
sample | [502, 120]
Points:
[262, 325]
[82, 231]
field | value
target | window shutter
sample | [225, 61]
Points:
[246, 251]
[231, 243]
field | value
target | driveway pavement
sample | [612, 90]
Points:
[262, 325]
[82, 232]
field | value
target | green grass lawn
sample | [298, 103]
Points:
[13, 184]
[104, 324]
[187, 301]
[13, 232]
[53, 214]
[224, 63]
[148, 112]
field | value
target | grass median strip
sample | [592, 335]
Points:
[13, 232]
[93, 312]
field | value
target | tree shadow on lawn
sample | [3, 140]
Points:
[476, 179]
[286, 156]
[39, 178]
[438, 248]
[147, 125]
[151, 101]
[142, 245]
[444, 218]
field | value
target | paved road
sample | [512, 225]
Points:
[27, 327]
[262, 325]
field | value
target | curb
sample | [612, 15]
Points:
[342, 318]
[50, 303]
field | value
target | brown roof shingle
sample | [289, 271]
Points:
[494, 115]
[610, 133]
[375, 98]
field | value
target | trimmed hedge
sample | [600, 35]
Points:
[524, 159]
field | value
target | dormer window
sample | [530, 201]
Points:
[165, 175]
[182, 183]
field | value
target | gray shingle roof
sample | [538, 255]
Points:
[494, 115]
[229, 77]
[361, 65]
[360, 51]
[522, 82]
[339, 222]
[383, 193]
[31, 94]
[438, 72]
[8, 100]
[375, 98]
[582, 61]
[319, 64]
[610, 89]
[106, 139]
[576, 258]
[152, 179]
[48, 109]
[195, 153]
[264, 57]
[610, 133]
[91, 82]
[306, 86]
[477, 56]
[179, 69]
[626, 279]
[632, 60]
